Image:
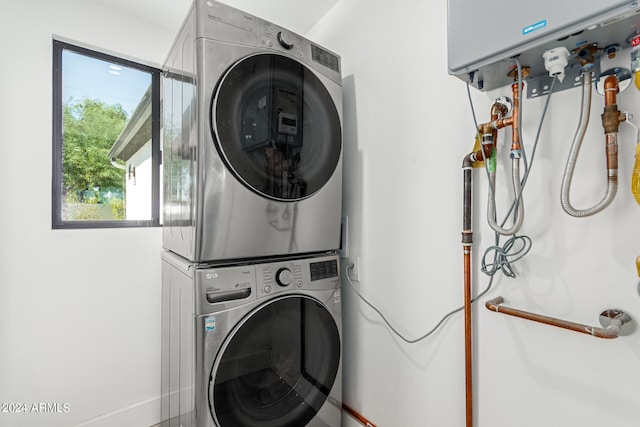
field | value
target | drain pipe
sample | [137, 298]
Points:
[488, 147]
[467, 242]
[611, 118]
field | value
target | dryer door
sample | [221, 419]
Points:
[276, 126]
[277, 367]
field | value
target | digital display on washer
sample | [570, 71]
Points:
[324, 269]
[325, 58]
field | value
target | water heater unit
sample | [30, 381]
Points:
[485, 35]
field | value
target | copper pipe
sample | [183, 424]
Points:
[610, 90]
[611, 119]
[498, 111]
[607, 333]
[503, 123]
[468, 342]
[612, 153]
[467, 242]
[357, 415]
[515, 115]
[514, 119]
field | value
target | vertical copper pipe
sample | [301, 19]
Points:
[468, 342]
[611, 119]
[513, 120]
[515, 116]
[467, 241]
[611, 141]
[610, 90]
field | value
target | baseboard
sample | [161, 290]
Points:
[141, 414]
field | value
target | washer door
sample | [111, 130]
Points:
[277, 367]
[276, 126]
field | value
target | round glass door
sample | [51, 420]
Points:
[276, 127]
[277, 367]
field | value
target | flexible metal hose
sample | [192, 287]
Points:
[612, 184]
[519, 204]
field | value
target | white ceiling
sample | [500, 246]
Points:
[298, 16]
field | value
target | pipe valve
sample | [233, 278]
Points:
[504, 103]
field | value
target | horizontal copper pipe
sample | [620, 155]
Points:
[609, 332]
[365, 422]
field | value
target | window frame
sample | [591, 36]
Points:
[58, 141]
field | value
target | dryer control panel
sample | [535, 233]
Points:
[218, 21]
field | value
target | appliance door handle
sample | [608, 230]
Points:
[214, 297]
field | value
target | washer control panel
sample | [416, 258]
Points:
[238, 284]
[281, 275]
[300, 274]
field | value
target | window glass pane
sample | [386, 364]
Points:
[106, 140]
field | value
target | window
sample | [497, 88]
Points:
[106, 140]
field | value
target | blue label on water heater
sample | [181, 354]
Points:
[531, 28]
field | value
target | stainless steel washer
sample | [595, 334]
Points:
[252, 345]
[252, 139]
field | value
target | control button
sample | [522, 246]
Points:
[284, 277]
[285, 39]
[269, 43]
[267, 289]
[299, 283]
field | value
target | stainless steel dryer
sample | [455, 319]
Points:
[252, 139]
[255, 345]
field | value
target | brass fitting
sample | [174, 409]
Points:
[586, 54]
[485, 129]
[611, 118]
[513, 73]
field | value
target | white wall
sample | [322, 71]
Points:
[79, 309]
[407, 127]
[78, 331]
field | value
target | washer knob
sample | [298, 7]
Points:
[285, 39]
[284, 277]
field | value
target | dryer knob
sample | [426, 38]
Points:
[284, 277]
[285, 39]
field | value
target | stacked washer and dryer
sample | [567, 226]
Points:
[251, 324]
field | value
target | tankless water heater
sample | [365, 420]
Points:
[485, 35]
